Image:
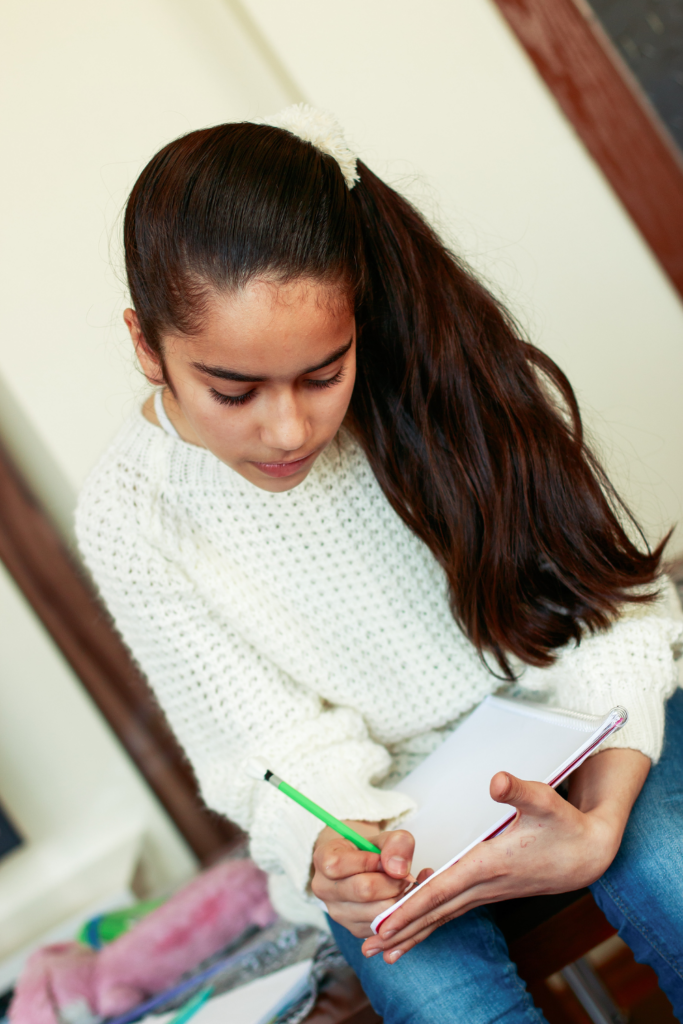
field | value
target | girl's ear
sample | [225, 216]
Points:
[149, 360]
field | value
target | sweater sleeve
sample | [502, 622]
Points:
[632, 664]
[226, 702]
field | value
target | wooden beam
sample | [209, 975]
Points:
[611, 114]
[64, 600]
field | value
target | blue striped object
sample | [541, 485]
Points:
[192, 1005]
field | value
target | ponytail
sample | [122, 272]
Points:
[461, 423]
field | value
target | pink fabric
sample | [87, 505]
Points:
[58, 975]
[206, 915]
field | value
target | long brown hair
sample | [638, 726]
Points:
[474, 434]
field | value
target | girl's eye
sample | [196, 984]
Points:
[222, 399]
[231, 399]
[330, 382]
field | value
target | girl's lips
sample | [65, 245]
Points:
[284, 468]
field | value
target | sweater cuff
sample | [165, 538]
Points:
[633, 666]
[644, 730]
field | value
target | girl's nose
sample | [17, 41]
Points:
[285, 427]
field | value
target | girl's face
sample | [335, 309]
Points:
[267, 381]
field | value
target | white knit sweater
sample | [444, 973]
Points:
[312, 628]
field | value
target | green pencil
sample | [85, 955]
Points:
[260, 771]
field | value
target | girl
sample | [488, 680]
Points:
[357, 502]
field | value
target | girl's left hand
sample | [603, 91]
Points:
[551, 846]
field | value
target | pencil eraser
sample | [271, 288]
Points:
[256, 768]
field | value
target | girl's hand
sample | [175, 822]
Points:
[553, 845]
[355, 885]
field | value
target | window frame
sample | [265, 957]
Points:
[612, 115]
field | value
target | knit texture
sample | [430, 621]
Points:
[312, 628]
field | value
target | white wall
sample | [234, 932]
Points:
[91, 90]
[442, 99]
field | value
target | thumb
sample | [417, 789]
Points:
[397, 852]
[529, 797]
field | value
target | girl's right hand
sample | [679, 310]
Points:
[356, 886]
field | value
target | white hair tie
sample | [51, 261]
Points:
[323, 131]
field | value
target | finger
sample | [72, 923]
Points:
[481, 866]
[397, 852]
[340, 859]
[357, 918]
[393, 950]
[529, 797]
[368, 887]
[394, 953]
[419, 929]
[382, 887]
[391, 955]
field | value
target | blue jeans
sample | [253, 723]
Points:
[462, 973]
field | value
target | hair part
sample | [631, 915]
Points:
[474, 434]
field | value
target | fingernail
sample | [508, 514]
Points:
[398, 864]
[393, 957]
[389, 934]
[371, 952]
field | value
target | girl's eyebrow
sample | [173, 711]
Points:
[243, 378]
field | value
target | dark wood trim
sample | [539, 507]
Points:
[64, 600]
[610, 112]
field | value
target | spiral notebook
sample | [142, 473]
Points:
[451, 786]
